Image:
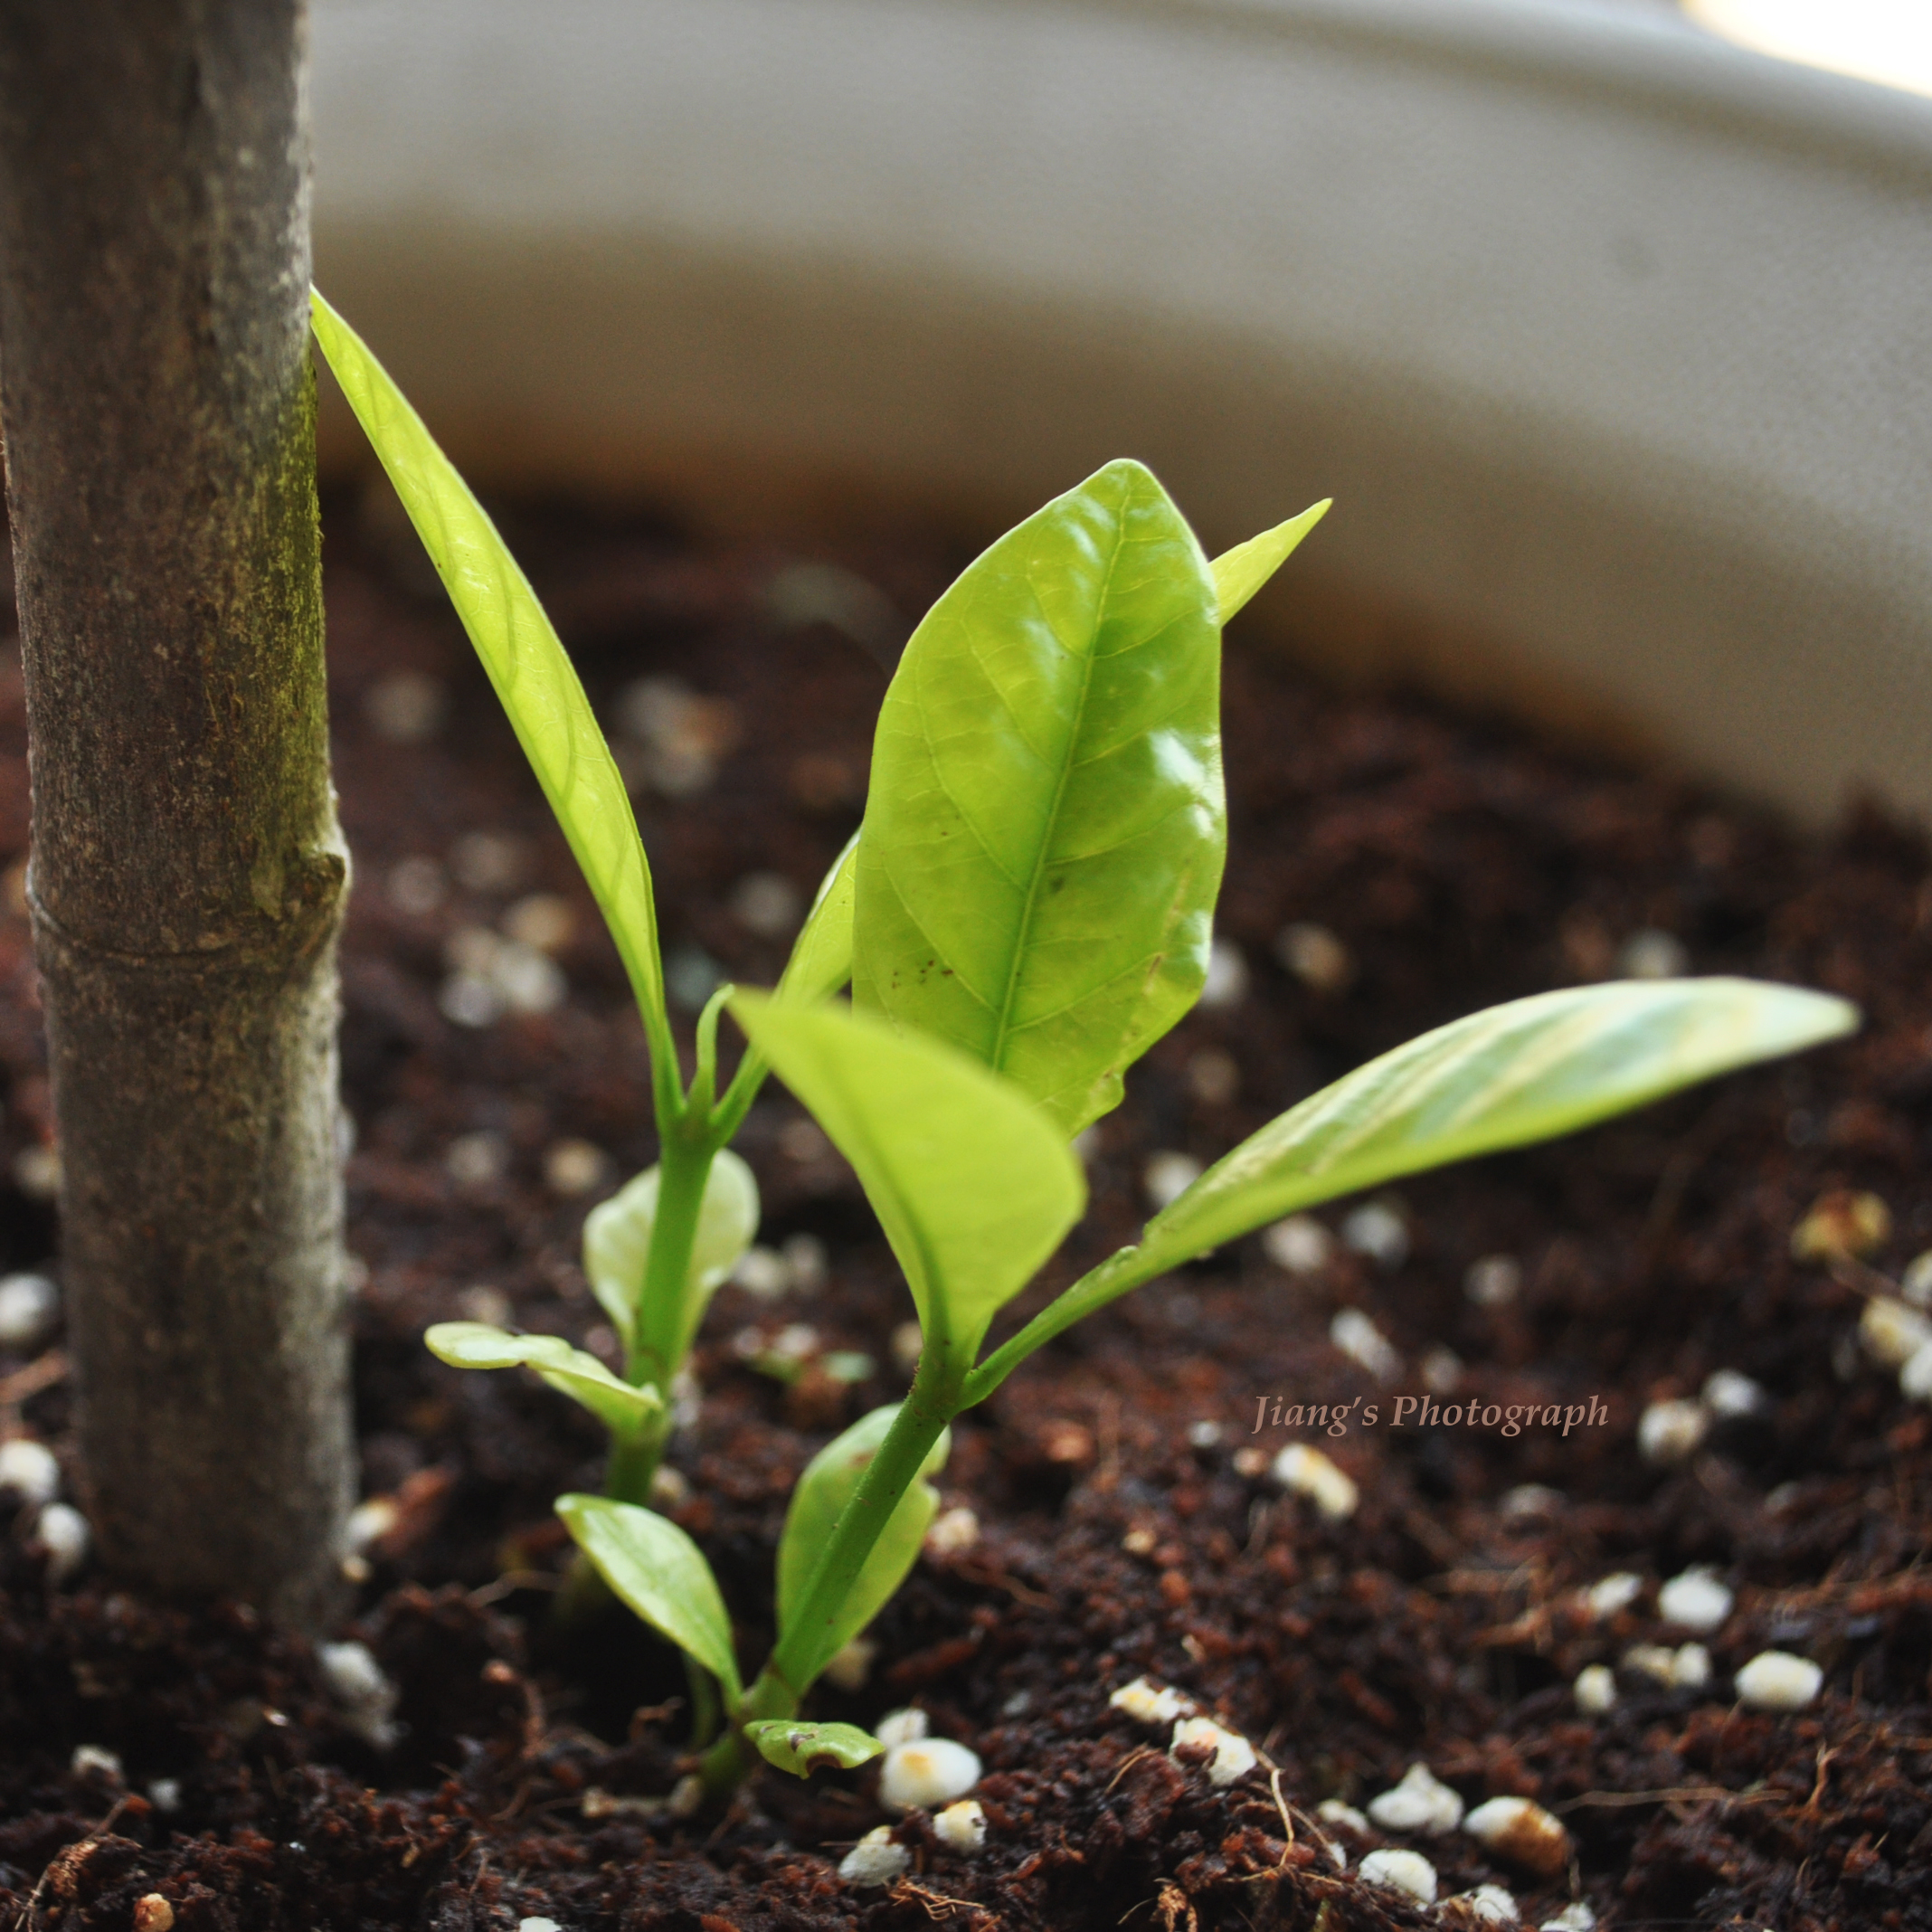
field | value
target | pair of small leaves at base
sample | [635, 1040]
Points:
[802, 1748]
[1045, 825]
[622, 1409]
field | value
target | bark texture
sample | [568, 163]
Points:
[188, 876]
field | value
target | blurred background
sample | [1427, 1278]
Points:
[1601, 319]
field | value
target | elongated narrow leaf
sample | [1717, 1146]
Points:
[617, 1242]
[973, 1183]
[1239, 572]
[622, 1409]
[1519, 1073]
[821, 959]
[661, 1573]
[817, 1504]
[534, 679]
[800, 1749]
[1046, 827]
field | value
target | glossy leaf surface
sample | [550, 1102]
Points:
[1045, 829]
[661, 1573]
[617, 1242]
[800, 1748]
[973, 1184]
[535, 680]
[622, 1409]
[1239, 572]
[1527, 1071]
[817, 1504]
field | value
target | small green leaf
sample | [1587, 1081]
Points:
[622, 1409]
[1527, 1071]
[661, 1573]
[800, 1749]
[1046, 827]
[1239, 572]
[617, 1242]
[526, 664]
[973, 1183]
[818, 1503]
[821, 960]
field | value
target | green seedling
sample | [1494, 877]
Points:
[1027, 909]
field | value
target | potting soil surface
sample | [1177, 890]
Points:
[1118, 1510]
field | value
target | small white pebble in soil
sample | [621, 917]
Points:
[1610, 1594]
[1356, 1337]
[1167, 1176]
[875, 1860]
[961, 1827]
[1670, 1432]
[542, 921]
[1227, 983]
[37, 1172]
[30, 1305]
[1308, 1473]
[1595, 1689]
[928, 1773]
[490, 862]
[1494, 1282]
[1695, 1599]
[1656, 1661]
[954, 1533]
[469, 999]
[851, 1667]
[761, 1271]
[1249, 1461]
[1915, 1284]
[573, 1168]
[1731, 1393]
[63, 1533]
[153, 1913]
[1442, 1372]
[1333, 1811]
[1841, 1222]
[1915, 1379]
[95, 1761]
[1205, 1434]
[1234, 1755]
[767, 904]
[670, 1489]
[687, 1796]
[1315, 956]
[165, 1793]
[802, 1141]
[1378, 1229]
[1487, 1905]
[907, 1340]
[477, 1159]
[1530, 1498]
[1300, 1243]
[1214, 1077]
[28, 1472]
[1399, 1871]
[1892, 1331]
[538, 1925]
[1151, 1703]
[901, 1726]
[1777, 1681]
[1519, 1831]
[1577, 1918]
[1651, 953]
[407, 707]
[806, 1257]
[372, 1518]
[1420, 1802]
[1690, 1669]
[417, 887]
[357, 1682]
[529, 981]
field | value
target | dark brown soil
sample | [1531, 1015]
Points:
[1119, 1537]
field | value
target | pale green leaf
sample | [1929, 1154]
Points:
[532, 677]
[1515, 1073]
[973, 1183]
[821, 959]
[817, 1504]
[1045, 827]
[622, 1409]
[800, 1748]
[1239, 572]
[617, 1242]
[661, 1573]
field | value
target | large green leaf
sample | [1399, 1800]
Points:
[622, 1409]
[1045, 827]
[799, 1747]
[526, 664]
[973, 1183]
[617, 1242]
[1515, 1073]
[818, 1503]
[821, 959]
[661, 1573]
[1239, 572]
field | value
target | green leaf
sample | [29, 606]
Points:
[526, 664]
[973, 1183]
[661, 1573]
[821, 960]
[1239, 572]
[800, 1749]
[1527, 1071]
[1045, 827]
[617, 1242]
[818, 1503]
[622, 1409]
